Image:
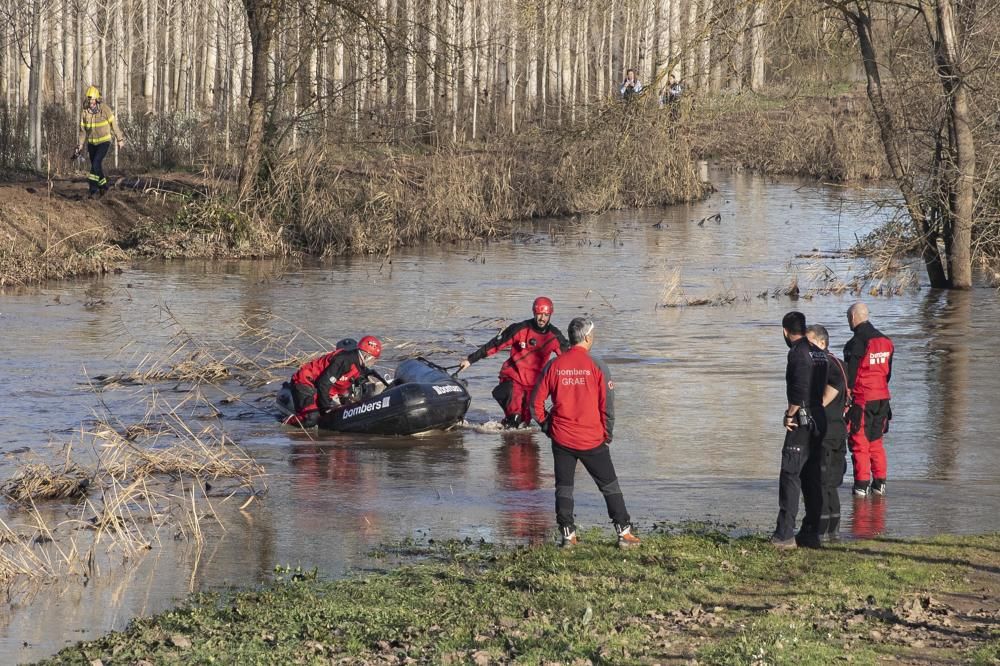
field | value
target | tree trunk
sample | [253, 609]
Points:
[675, 38]
[861, 23]
[262, 18]
[35, 84]
[691, 43]
[963, 148]
[757, 47]
[704, 72]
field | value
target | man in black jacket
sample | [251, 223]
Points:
[832, 458]
[805, 425]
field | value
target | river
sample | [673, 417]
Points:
[699, 390]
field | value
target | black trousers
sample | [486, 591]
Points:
[96, 179]
[799, 476]
[832, 467]
[598, 464]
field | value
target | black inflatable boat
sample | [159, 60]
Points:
[421, 397]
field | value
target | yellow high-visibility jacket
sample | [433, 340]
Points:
[100, 126]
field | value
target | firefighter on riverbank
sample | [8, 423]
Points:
[531, 343]
[868, 356]
[98, 128]
[323, 383]
[580, 423]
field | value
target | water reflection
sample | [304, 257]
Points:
[949, 317]
[518, 464]
[868, 518]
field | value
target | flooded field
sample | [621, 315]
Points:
[699, 390]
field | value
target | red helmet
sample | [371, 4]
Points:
[370, 345]
[542, 305]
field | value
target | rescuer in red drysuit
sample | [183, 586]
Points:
[322, 383]
[531, 344]
[868, 356]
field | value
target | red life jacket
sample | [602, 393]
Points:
[331, 374]
[869, 362]
[310, 372]
[530, 350]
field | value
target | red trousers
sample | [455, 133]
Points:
[868, 456]
[514, 397]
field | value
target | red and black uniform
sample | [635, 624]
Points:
[868, 356]
[580, 424]
[530, 348]
[318, 382]
[805, 380]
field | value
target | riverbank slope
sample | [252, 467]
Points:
[327, 200]
[681, 596]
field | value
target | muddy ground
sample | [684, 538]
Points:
[51, 228]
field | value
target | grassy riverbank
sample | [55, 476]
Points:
[679, 597]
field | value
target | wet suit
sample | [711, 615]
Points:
[320, 384]
[805, 379]
[581, 425]
[530, 348]
[868, 356]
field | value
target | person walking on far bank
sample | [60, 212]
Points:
[832, 455]
[868, 356]
[97, 129]
[580, 423]
[805, 425]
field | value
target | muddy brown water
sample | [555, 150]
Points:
[699, 391]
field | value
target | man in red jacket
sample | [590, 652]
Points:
[531, 344]
[868, 356]
[322, 383]
[580, 424]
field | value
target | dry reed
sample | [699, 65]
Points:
[325, 202]
[41, 482]
[138, 480]
[672, 294]
[830, 138]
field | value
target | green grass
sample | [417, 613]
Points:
[679, 596]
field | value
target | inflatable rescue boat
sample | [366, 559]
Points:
[421, 397]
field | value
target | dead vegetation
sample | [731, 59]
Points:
[129, 484]
[20, 265]
[819, 278]
[125, 485]
[672, 294]
[324, 202]
[832, 138]
[41, 482]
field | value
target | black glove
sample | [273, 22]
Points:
[544, 425]
[608, 438]
[376, 375]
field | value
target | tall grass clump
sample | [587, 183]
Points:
[830, 138]
[321, 200]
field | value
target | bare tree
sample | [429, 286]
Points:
[940, 207]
